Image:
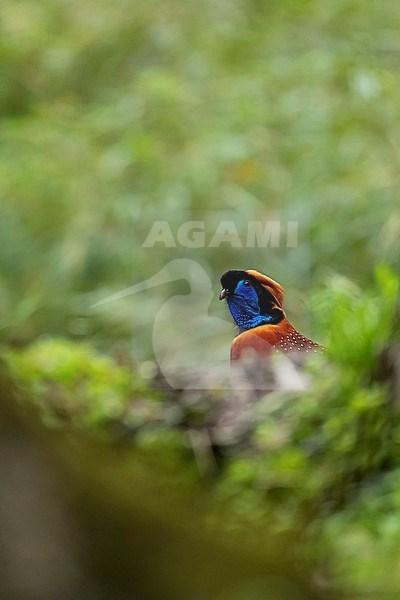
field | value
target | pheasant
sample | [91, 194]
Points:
[256, 305]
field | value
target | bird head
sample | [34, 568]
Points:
[253, 298]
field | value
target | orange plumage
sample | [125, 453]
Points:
[256, 304]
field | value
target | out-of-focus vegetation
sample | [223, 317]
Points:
[72, 385]
[321, 464]
[114, 112]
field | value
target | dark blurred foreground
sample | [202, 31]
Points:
[78, 522]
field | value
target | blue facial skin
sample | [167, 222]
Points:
[244, 307]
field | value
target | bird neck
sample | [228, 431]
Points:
[248, 316]
[262, 339]
[271, 331]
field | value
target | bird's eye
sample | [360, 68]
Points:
[247, 283]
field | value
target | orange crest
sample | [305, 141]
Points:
[270, 285]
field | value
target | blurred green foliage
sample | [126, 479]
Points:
[322, 463]
[113, 112]
[71, 384]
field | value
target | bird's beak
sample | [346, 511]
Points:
[224, 294]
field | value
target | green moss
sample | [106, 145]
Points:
[74, 385]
